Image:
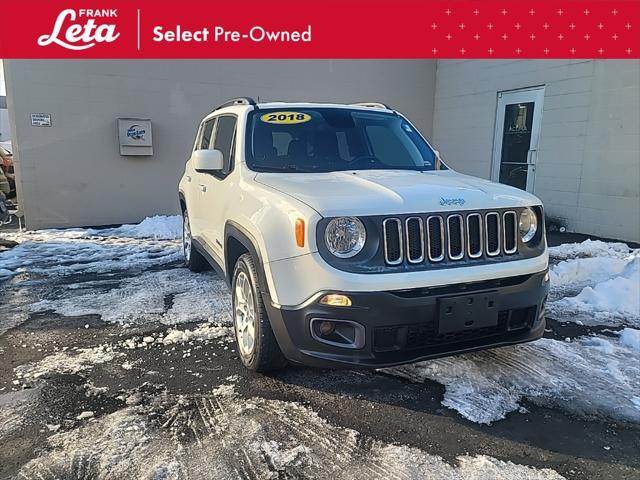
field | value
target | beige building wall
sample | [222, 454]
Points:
[71, 174]
[588, 170]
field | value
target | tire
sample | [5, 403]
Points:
[261, 353]
[192, 258]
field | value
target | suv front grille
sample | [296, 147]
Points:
[453, 237]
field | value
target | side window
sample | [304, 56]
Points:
[225, 134]
[205, 137]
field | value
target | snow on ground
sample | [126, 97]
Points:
[589, 248]
[73, 361]
[159, 227]
[166, 296]
[596, 289]
[67, 362]
[65, 252]
[170, 437]
[588, 376]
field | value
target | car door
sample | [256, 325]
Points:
[194, 191]
[219, 187]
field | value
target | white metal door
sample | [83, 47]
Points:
[515, 146]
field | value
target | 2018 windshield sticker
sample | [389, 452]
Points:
[286, 118]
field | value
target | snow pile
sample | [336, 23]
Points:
[610, 290]
[589, 248]
[202, 332]
[159, 227]
[630, 338]
[591, 375]
[71, 251]
[586, 270]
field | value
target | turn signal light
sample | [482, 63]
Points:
[300, 232]
[336, 300]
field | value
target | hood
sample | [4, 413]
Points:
[387, 192]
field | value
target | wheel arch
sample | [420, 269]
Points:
[237, 241]
[182, 201]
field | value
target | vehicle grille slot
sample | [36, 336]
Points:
[435, 238]
[492, 233]
[509, 226]
[392, 228]
[456, 237]
[415, 239]
[474, 235]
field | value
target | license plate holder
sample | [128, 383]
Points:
[467, 312]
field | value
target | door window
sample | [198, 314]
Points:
[205, 137]
[224, 139]
[516, 140]
[518, 120]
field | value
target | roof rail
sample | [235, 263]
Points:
[372, 105]
[236, 101]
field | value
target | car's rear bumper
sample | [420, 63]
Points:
[397, 327]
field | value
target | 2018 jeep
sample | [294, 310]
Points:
[347, 241]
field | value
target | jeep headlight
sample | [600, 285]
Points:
[528, 224]
[345, 236]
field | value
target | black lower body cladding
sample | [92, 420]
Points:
[382, 329]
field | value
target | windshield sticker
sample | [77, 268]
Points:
[285, 118]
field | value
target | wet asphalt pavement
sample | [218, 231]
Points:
[170, 385]
[378, 406]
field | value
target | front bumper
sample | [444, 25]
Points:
[405, 326]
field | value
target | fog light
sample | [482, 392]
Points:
[327, 328]
[336, 300]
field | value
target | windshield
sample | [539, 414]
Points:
[334, 139]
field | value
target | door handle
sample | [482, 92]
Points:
[188, 177]
[203, 188]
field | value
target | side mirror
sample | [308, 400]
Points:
[207, 161]
[437, 153]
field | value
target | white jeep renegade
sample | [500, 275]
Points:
[346, 240]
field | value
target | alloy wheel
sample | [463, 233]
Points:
[244, 314]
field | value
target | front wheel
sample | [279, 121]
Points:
[194, 259]
[257, 345]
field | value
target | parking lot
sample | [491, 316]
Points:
[116, 361]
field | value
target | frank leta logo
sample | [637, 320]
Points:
[136, 132]
[77, 30]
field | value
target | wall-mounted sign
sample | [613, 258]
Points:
[135, 136]
[40, 119]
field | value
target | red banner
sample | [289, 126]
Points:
[323, 29]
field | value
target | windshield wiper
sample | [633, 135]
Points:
[280, 168]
